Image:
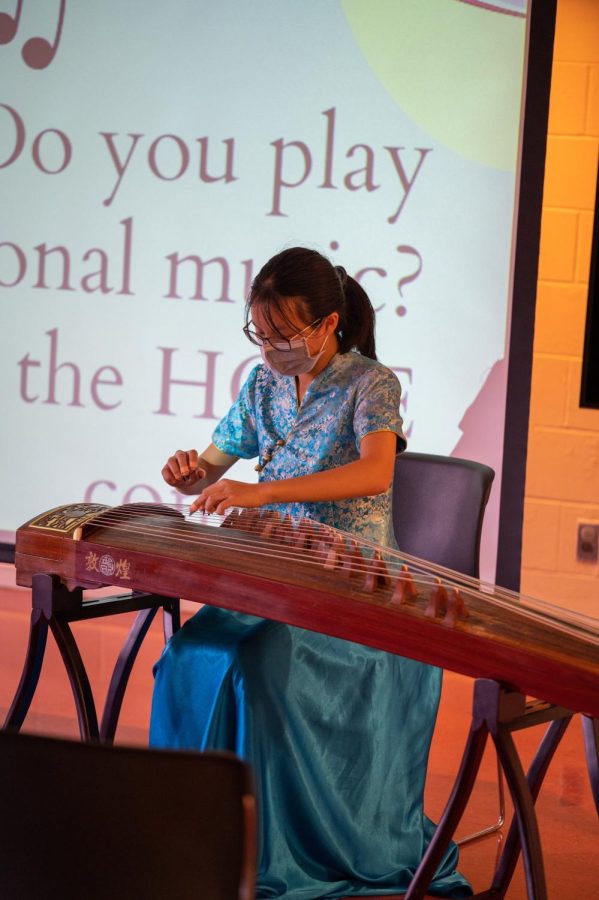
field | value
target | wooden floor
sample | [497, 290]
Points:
[568, 821]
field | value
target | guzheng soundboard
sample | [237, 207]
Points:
[313, 576]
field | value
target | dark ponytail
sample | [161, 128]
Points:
[322, 289]
[357, 318]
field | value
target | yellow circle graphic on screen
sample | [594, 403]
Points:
[454, 68]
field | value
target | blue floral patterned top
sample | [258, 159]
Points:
[352, 396]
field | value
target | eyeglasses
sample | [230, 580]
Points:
[257, 339]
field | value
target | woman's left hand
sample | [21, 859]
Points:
[225, 493]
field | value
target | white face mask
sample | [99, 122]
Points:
[294, 361]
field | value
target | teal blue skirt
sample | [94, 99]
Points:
[337, 736]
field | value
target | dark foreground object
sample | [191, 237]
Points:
[81, 820]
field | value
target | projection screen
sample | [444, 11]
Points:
[153, 156]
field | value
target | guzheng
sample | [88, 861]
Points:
[313, 576]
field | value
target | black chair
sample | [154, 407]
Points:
[115, 823]
[438, 510]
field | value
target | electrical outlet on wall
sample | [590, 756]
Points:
[587, 543]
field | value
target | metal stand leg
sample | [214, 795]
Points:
[38, 633]
[54, 606]
[171, 618]
[473, 754]
[47, 596]
[535, 777]
[498, 825]
[82, 692]
[122, 670]
[524, 814]
[499, 712]
[590, 730]
[127, 656]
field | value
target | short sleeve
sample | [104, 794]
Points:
[378, 395]
[236, 433]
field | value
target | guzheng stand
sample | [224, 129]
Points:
[55, 607]
[499, 712]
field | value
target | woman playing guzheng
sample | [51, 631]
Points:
[337, 734]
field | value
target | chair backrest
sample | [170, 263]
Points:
[438, 508]
[80, 820]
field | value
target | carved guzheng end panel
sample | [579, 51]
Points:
[65, 519]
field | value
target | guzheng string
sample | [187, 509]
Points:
[392, 557]
[181, 534]
[255, 522]
[123, 515]
[317, 532]
[426, 568]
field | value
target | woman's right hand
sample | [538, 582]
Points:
[183, 469]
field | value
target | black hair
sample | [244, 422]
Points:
[322, 289]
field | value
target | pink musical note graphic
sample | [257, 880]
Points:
[37, 52]
[9, 24]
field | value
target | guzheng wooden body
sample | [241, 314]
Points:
[315, 577]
